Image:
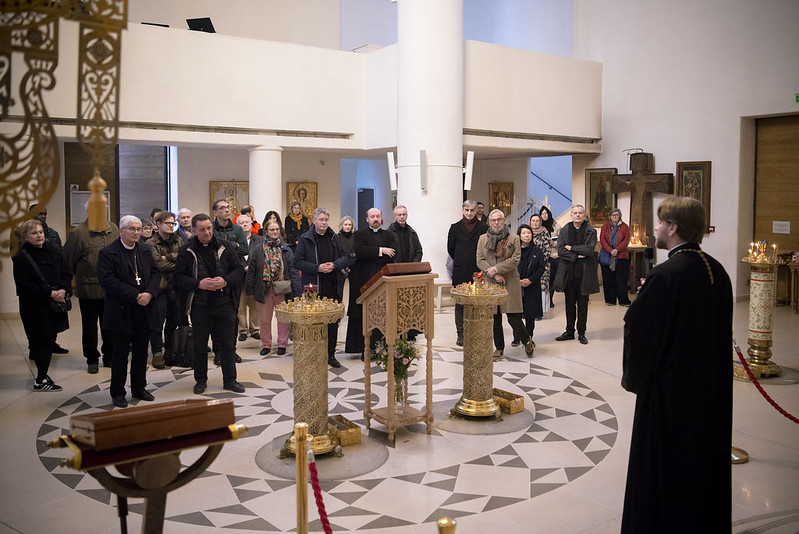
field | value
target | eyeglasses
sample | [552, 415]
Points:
[223, 207]
[167, 223]
[133, 229]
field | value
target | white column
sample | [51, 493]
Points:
[430, 118]
[266, 180]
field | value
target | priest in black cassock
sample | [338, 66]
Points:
[374, 248]
[678, 361]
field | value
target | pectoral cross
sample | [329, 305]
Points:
[138, 279]
[641, 184]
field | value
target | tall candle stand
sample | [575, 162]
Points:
[763, 263]
[480, 301]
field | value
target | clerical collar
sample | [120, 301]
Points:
[131, 247]
[676, 246]
[375, 229]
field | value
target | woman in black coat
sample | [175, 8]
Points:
[296, 224]
[532, 265]
[35, 292]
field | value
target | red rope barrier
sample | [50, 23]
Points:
[317, 493]
[759, 387]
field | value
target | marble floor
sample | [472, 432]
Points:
[557, 467]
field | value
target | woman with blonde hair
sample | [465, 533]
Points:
[44, 286]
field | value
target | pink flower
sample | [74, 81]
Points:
[405, 361]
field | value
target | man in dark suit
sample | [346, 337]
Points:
[374, 248]
[462, 248]
[209, 274]
[130, 278]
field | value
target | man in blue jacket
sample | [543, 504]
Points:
[320, 258]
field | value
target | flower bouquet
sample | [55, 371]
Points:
[404, 355]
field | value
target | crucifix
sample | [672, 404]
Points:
[641, 184]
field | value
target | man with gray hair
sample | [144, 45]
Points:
[409, 247]
[184, 225]
[320, 258]
[462, 248]
[576, 276]
[130, 278]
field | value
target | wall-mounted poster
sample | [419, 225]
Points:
[236, 193]
[303, 192]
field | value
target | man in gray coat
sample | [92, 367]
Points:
[576, 276]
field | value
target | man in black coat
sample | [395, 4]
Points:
[462, 248]
[130, 278]
[209, 274]
[678, 362]
[374, 248]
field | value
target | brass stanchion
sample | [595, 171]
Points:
[446, 525]
[301, 435]
[479, 301]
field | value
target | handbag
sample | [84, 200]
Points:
[58, 307]
[281, 287]
[604, 257]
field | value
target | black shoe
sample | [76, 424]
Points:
[242, 337]
[256, 336]
[459, 341]
[626, 304]
[362, 356]
[233, 386]
[58, 349]
[120, 401]
[199, 388]
[333, 362]
[529, 348]
[217, 361]
[93, 368]
[582, 339]
[237, 358]
[551, 304]
[143, 395]
[265, 351]
[281, 351]
[565, 336]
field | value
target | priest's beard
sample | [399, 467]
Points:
[661, 243]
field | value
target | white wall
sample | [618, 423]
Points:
[682, 80]
[306, 22]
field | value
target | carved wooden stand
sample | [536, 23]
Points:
[394, 305]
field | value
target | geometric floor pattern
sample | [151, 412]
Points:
[573, 430]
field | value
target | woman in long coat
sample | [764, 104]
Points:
[42, 324]
[272, 262]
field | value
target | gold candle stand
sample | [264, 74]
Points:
[479, 301]
[762, 286]
[309, 317]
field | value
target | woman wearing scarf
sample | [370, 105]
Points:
[542, 240]
[532, 265]
[498, 254]
[552, 226]
[346, 241]
[296, 225]
[615, 259]
[273, 262]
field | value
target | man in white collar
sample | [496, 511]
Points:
[374, 248]
[130, 278]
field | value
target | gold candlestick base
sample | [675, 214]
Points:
[739, 456]
[473, 408]
[760, 362]
[321, 444]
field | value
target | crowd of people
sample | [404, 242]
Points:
[139, 283]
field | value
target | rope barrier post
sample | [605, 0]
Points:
[446, 525]
[301, 435]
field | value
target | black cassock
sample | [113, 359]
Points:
[678, 361]
[368, 262]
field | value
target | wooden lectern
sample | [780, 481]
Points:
[397, 299]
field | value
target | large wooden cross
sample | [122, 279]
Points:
[641, 184]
